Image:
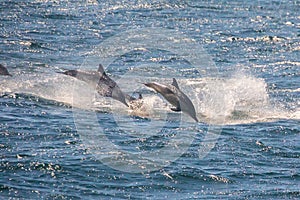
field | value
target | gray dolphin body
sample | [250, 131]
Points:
[99, 80]
[176, 97]
[4, 71]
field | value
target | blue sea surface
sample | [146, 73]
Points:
[56, 142]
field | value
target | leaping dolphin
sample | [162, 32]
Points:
[99, 80]
[176, 97]
[4, 71]
[104, 85]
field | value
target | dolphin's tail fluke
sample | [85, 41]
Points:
[4, 71]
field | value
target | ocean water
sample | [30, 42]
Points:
[238, 61]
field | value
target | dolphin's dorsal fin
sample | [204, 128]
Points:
[175, 84]
[101, 69]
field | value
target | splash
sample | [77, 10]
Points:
[49, 86]
[241, 99]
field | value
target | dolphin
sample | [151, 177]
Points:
[176, 97]
[4, 71]
[99, 80]
[104, 85]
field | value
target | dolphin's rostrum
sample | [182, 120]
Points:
[176, 97]
[99, 80]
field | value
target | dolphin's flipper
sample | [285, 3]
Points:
[175, 84]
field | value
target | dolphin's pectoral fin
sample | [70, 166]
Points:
[175, 84]
[176, 109]
[101, 69]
